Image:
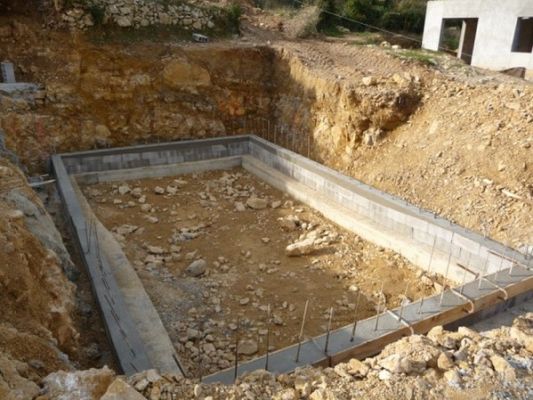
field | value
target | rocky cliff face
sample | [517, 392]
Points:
[100, 96]
[338, 115]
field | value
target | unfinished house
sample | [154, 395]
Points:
[495, 34]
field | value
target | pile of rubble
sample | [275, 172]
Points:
[495, 364]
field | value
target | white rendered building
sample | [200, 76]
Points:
[496, 34]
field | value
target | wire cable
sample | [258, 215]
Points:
[378, 28]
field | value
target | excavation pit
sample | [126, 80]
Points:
[487, 272]
[237, 228]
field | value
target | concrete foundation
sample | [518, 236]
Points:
[424, 238]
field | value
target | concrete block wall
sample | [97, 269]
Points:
[424, 230]
[154, 155]
[128, 347]
[477, 253]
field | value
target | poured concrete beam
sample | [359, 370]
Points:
[159, 348]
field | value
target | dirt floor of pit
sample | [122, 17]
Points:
[208, 216]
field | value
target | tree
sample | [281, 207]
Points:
[407, 15]
[366, 11]
[326, 18]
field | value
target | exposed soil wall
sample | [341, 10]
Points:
[339, 114]
[98, 97]
[103, 96]
[49, 320]
[36, 325]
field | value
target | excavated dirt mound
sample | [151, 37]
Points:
[463, 365]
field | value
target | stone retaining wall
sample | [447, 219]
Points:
[140, 13]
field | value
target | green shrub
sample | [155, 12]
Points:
[407, 15]
[451, 34]
[366, 11]
[327, 21]
[394, 15]
[97, 13]
[233, 15]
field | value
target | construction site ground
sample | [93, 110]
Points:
[205, 216]
[448, 137]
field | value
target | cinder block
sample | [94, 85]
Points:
[456, 251]
[422, 237]
[476, 263]
[8, 72]
[398, 227]
[130, 160]
[361, 201]
[465, 243]
[405, 231]
[219, 150]
[417, 223]
[92, 164]
[443, 245]
[440, 232]
[396, 215]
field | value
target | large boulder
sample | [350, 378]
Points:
[411, 354]
[90, 384]
[120, 390]
[180, 73]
